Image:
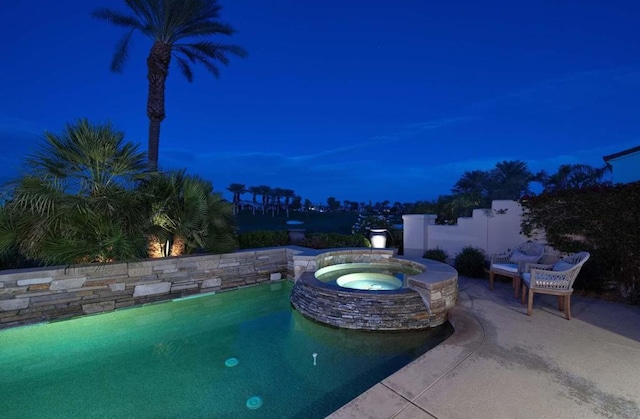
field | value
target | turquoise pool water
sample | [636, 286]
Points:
[174, 360]
[366, 276]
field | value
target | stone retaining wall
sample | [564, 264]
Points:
[35, 295]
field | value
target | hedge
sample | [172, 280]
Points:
[602, 220]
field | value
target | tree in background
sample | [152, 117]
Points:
[296, 203]
[278, 193]
[475, 185]
[477, 188]
[178, 28]
[333, 204]
[237, 189]
[254, 191]
[288, 194]
[510, 180]
[265, 191]
[572, 176]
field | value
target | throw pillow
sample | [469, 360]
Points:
[562, 266]
[518, 256]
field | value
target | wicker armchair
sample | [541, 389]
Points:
[511, 264]
[554, 279]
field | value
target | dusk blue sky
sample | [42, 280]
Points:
[360, 100]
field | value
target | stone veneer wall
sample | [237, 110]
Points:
[42, 294]
[425, 304]
[350, 309]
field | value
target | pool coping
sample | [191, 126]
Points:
[585, 367]
[397, 393]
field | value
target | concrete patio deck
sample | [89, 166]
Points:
[501, 363]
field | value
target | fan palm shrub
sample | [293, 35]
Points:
[186, 215]
[78, 201]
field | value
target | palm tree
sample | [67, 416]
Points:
[205, 221]
[475, 185]
[162, 197]
[571, 176]
[185, 213]
[278, 194]
[274, 198]
[237, 189]
[450, 207]
[171, 25]
[265, 191]
[254, 191]
[287, 194]
[510, 180]
[78, 201]
[333, 204]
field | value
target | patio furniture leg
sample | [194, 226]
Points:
[524, 288]
[567, 307]
[516, 286]
[530, 304]
[561, 302]
[491, 280]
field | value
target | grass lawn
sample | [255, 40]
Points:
[313, 222]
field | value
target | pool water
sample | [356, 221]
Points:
[366, 276]
[372, 281]
[240, 354]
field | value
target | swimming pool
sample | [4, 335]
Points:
[240, 354]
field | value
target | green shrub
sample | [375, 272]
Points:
[263, 238]
[331, 240]
[274, 238]
[470, 262]
[602, 220]
[435, 254]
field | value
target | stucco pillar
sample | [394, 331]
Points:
[415, 233]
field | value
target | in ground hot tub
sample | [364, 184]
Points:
[369, 281]
[374, 290]
[366, 276]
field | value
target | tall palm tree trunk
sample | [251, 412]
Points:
[157, 72]
[154, 142]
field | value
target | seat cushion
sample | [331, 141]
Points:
[526, 278]
[562, 266]
[505, 267]
[518, 256]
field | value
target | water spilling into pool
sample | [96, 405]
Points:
[240, 354]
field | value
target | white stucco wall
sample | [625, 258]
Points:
[492, 230]
[626, 169]
[414, 233]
